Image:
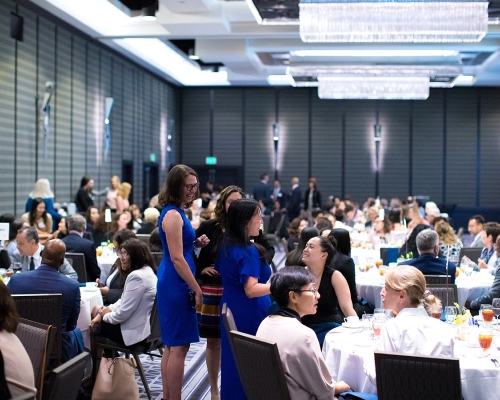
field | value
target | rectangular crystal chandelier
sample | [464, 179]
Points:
[374, 88]
[417, 21]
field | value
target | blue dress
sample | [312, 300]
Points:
[179, 325]
[236, 264]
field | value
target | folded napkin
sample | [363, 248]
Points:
[350, 395]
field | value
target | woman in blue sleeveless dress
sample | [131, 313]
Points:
[244, 271]
[176, 276]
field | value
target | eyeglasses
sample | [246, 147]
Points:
[122, 254]
[314, 290]
[191, 187]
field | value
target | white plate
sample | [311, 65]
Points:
[86, 289]
[352, 326]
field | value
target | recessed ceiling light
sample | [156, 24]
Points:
[374, 53]
[194, 57]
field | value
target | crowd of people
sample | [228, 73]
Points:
[216, 252]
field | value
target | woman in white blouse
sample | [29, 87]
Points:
[307, 377]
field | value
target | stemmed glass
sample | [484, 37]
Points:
[450, 313]
[496, 307]
[485, 338]
[487, 313]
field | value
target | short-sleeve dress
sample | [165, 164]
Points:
[177, 318]
[236, 265]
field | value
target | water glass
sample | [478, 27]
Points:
[389, 314]
[450, 313]
[366, 321]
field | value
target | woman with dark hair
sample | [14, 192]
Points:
[83, 198]
[209, 315]
[111, 288]
[91, 216]
[14, 225]
[307, 376]
[245, 272]
[331, 285]
[17, 365]
[410, 247]
[294, 230]
[42, 190]
[127, 320]
[178, 292]
[295, 256]
[312, 199]
[39, 218]
[155, 241]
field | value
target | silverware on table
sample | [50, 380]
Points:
[495, 362]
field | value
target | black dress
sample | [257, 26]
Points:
[83, 200]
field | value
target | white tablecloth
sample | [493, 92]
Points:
[346, 361]
[105, 263]
[369, 286]
[89, 299]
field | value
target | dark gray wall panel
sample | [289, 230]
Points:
[95, 104]
[105, 91]
[195, 126]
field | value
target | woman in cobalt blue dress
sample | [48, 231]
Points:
[244, 270]
[176, 279]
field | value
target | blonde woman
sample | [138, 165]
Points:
[122, 195]
[112, 193]
[448, 241]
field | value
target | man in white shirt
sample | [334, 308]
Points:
[476, 229]
[28, 253]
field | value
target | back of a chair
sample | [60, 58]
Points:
[4, 259]
[229, 325]
[260, 368]
[44, 309]
[447, 294]
[78, 263]
[143, 237]
[436, 279]
[472, 252]
[65, 380]
[284, 243]
[36, 339]
[154, 338]
[266, 219]
[401, 376]
[157, 256]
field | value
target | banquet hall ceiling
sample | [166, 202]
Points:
[227, 39]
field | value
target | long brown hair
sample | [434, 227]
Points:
[9, 318]
[220, 208]
[171, 192]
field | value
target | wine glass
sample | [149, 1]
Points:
[487, 313]
[450, 313]
[496, 307]
[485, 338]
[437, 312]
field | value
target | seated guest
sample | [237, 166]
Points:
[42, 190]
[428, 262]
[488, 258]
[371, 216]
[136, 217]
[62, 229]
[493, 292]
[39, 218]
[413, 331]
[307, 376]
[46, 279]
[381, 230]
[91, 216]
[111, 288]
[431, 212]
[294, 230]
[449, 244]
[394, 218]
[11, 244]
[16, 362]
[127, 321]
[76, 243]
[333, 288]
[323, 223]
[476, 224]
[155, 242]
[410, 246]
[150, 221]
[101, 232]
[28, 253]
[349, 215]
[415, 217]
[295, 256]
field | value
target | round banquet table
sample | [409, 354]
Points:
[370, 284]
[89, 299]
[347, 358]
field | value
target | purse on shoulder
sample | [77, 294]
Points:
[116, 380]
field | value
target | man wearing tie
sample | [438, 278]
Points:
[28, 253]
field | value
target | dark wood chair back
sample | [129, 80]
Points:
[78, 264]
[65, 380]
[448, 294]
[437, 279]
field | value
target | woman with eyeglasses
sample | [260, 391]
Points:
[307, 377]
[127, 320]
[178, 291]
[332, 286]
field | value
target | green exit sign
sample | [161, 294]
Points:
[211, 160]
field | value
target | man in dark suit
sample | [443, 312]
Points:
[293, 207]
[428, 262]
[76, 243]
[47, 279]
[262, 191]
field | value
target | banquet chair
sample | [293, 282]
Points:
[436, 279]
[157, 256]
[143, 237]
[153, 342]
[229, 325]
[267, 381]
[78, 264]
[65, 380]
[447, 294]
[401, 376]
[45, 309]
[36, 339]
[472, 252]
[265, 222]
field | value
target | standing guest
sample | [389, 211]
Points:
[112, 193]
[261, 190]
[245, 272]
[39, 218]
[16, 362]
[278, 195]
[150, 221]
[332, 287]
[295, 256]
[306, 374]
[293, 207]
[207, 195]
[76, 243]
[83, 198]
[136, 217]
[111, 288]
[42, 189]
[381, 231]
[155, 241]
[476, 224]
[449, 244]
[176, 277]
[47, 279]
[122, 195]
[91, 216]
[312, 199]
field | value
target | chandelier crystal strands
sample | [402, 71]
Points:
[416, 21]
[373, 88]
